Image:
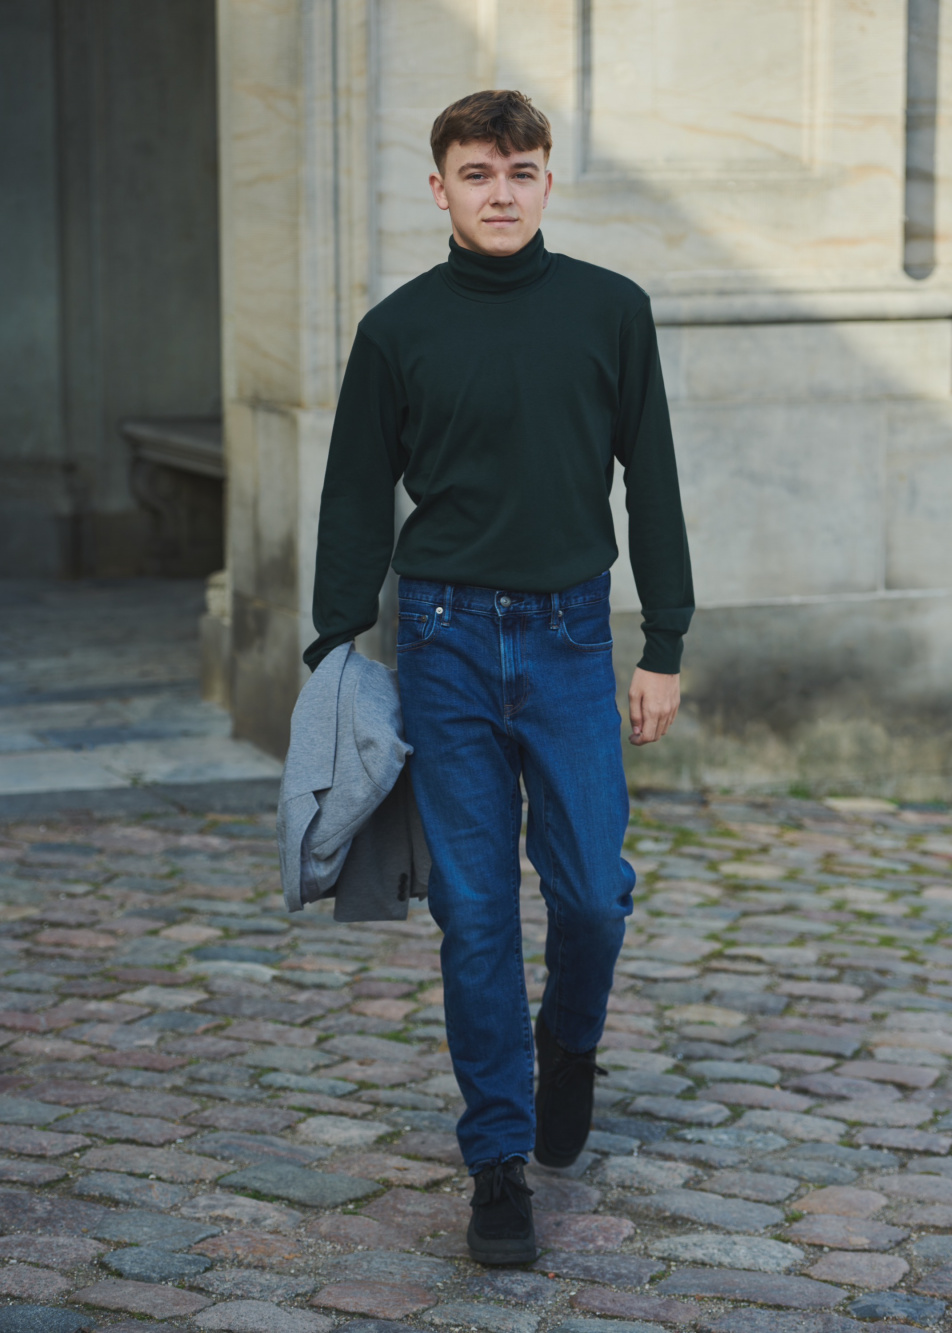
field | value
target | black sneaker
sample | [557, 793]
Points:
[501, 1229]
[564, 1099]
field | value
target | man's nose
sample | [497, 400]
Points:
[502, 193]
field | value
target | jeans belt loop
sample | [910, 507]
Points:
[554, 618]
[447, 603]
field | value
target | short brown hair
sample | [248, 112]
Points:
[503, 117]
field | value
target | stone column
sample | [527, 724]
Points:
[294, 282]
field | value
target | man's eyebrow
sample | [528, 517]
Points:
[487, 166]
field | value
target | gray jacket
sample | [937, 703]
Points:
[348, 825]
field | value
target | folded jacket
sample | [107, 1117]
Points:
[347, 821]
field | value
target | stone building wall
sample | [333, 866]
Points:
[771, 174]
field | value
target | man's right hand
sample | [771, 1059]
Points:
[653, 701]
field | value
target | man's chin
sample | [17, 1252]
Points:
[497, 240]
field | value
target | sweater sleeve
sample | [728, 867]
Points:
[356, 527]
[657, 540]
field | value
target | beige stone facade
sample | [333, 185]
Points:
[752, 165]
[774, 172]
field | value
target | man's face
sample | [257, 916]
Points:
[495, 202]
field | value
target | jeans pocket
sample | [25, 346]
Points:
[414, 629]
[585, 626]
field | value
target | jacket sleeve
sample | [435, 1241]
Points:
[657, 540]
[356, 528]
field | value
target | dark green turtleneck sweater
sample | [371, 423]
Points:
[502, 390]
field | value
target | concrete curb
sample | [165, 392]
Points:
[241, 796]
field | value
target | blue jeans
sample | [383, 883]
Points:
[495, 685]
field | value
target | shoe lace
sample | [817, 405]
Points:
[583, 1062]
[511, 1185]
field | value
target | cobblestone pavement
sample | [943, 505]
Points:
[213, 1116]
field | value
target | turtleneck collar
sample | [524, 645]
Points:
[488, 276]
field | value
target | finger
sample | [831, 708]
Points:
[635, 713]
[649, 729]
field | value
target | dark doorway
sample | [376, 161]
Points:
[109, 265]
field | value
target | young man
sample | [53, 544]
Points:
[502, 386]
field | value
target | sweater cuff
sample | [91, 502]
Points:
[319, 649]
[662, 653]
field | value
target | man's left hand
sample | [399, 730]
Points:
[653, 701]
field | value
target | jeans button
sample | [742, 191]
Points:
[505, 601]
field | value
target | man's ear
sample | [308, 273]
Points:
[548, 188]
[439, 191]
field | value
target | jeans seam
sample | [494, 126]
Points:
[554, 888]
[515, 829]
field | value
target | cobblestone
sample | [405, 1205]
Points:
[26, 1280]
[843, 1201]
[165, 1163]
[616, 1270]
[710, 1247]
[607, 1326]
[135, 1129]
[143, 1264]
[39, 1142]
[737, 1284]
[130, 1189]
[160, 1302]
[16, 1171]
[602, 1300]
[898, 1305]
[19, 1111]
[238, 1208]
[315, 1188]
[515, 1288]
[387, 1266]
[140, 1227]
[783, 1077]
[731, 1214]
[921, 1188]
[421, 1214]
[846, 1232]
[933, 1249]
[57, 1251]
[379, 1300]
[42, 1319]
[938, 1282]
[252, 1316]
[494, 1318]
[773, 1321]
[574, 1232]
[253, 1284]
[753, 1185]
[860, 1270]
[247, 1246]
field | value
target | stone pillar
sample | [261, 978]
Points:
[294, 283]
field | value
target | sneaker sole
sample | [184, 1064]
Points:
[502, 1251]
